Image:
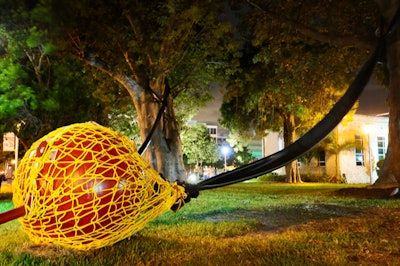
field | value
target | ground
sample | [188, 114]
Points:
[368, 192]
[378, 226]
[325, 217]
[278, 218]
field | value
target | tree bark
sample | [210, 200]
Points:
[289, 136]
[389, 175]
[164, 152]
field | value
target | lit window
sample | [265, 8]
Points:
[381, 147]
[321, 158]
[359, 150]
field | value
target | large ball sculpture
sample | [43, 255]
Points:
[85, 186]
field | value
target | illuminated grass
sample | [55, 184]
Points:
[244, 224]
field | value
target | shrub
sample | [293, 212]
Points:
[271, 177]
[315, 178]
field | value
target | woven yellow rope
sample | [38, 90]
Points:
[85, 186]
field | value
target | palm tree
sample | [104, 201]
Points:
[333, 145]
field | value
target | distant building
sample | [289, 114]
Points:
[218, 133]
[356, 164]
[271, 143]
[256, 148]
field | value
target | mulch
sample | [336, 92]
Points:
[368, 192]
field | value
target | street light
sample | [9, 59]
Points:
[225, 151]
[368, 129]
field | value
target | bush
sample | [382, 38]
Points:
[315, 178]
[271, 177]
[379, 165]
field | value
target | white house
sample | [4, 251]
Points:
[357, 164]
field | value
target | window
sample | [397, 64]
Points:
[381, 147]
[212, 130]
[359, 150]
[321, 158]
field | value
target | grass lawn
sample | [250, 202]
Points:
[252, 223]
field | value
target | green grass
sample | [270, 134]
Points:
[229, 226]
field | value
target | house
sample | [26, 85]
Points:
[371, 134]
[356, 164]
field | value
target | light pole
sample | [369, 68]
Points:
[225, 151]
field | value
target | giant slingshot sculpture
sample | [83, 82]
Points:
[84, 186]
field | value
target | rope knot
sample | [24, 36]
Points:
[191, 191]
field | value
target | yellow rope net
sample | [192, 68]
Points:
[85, 186]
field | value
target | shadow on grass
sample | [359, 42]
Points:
[279, 218]
[368, 193]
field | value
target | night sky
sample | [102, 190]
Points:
[372, 102]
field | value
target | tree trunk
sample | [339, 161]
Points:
[164, 153]
[289, 136]
[292, 172]
[389, 175]
[338, 171]
[165, 150]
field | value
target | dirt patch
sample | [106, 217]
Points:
[366, 192]
[280, 218]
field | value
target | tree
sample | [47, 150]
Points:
[389, 173]
[150, 47]
[239, 141]
[356, 26]
[284, 84]
[198, 146]
[242, 156]
[125, 120]
[39, 91]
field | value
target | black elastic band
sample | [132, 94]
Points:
[147, 141]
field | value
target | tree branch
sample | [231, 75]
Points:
[131, 85]
[335, 40]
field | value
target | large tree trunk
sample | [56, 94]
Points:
[165, 150]
[289, 136]
[389, 175]
[164, 153]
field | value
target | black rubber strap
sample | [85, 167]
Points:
[147, 141]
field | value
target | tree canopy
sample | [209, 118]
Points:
[39, 89]
[350, 24]
[177, 41]
[159, 51]
[285, 83]
[198, 146]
